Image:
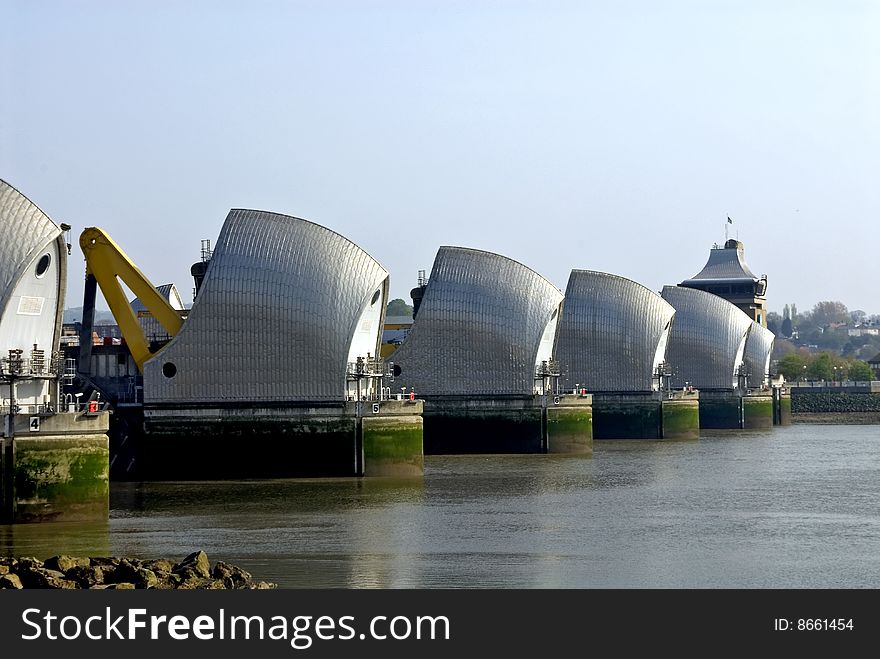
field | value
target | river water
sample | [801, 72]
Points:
[792, 507]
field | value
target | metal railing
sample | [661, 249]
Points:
[36, 364]
[41, 409]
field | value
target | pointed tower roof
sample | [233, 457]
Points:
[725, 264]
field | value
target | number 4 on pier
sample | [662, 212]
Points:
[34, 424]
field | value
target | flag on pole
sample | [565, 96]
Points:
[729, 221]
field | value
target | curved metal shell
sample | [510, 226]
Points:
[759, 346]
[613, 333]
[31, 296]
[707, 340]
[275, 319]
[479, 327]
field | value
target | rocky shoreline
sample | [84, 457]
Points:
[111, 573]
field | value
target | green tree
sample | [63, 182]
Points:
[792, 366]
[774, 321]
[821, 367]
[832, 339]
[828, 312]
[398, 307]
[860, 371]
[781, 347]
[785, 329]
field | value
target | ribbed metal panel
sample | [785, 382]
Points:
[707, 339]
[724, 264]
[478, 328]
[25, 231]
[610, 332]
[759, 345]
[274, 319]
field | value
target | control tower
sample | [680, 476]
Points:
[727, 275]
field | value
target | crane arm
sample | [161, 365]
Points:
[107, 263]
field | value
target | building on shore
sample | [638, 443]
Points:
[874, 363]
[151, 327]
[727, 275]
[54, 459]
[480, 354]
[612, 342]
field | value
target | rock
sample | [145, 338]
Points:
[159, 566]
[129, 572]
[65, 563]
[86, 576]
[196, 564]
[232, 573]
[111, 573]
[10, 582]
[165, 584]
[146, 578]
[27, 563]
[36, 577]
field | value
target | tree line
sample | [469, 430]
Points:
[803, 365]
[827, 327]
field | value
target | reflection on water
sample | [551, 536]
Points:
[792, 507]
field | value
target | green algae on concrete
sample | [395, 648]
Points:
[62, 478]
[570, 430]
[681, 419]
[392, 446]
[282, 441]
[757, 411]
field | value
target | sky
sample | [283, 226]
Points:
[615, 136]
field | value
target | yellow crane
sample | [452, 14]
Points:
[106, 265]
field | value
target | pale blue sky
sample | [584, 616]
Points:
[614, 136]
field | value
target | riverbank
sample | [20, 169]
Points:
[112, 573]
[837, 418]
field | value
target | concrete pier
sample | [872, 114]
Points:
[732, 410]
[56, 468]
[757, 410]
[555, 424]
[720, 410]
[781, 407]
[646, 416]
[681, 415]
[368, 438]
